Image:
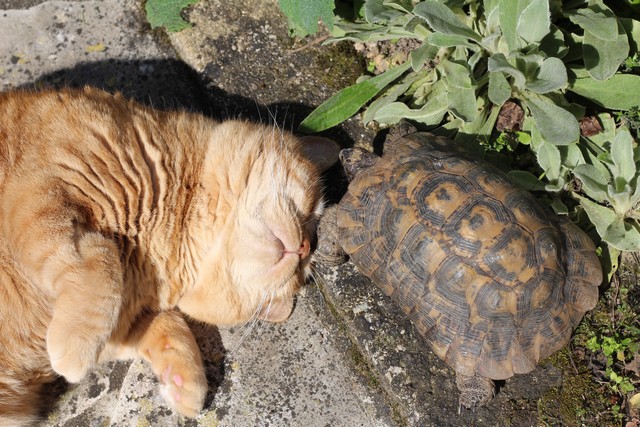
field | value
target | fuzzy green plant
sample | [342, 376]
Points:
[555, 60]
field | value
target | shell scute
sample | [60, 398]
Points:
[472, 226]
[488, 277]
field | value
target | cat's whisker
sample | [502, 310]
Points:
[320, 283]
[261, 325]
[241, 329]
[248, 326]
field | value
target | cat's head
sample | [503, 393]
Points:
[265, 200]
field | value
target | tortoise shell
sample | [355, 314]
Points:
[493, 281]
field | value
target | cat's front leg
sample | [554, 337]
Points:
[79, 269]
[88, 282]
[167, 343]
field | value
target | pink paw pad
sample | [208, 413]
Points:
[177, 379]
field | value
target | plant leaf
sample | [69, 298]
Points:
[462, 103]
[598, 21]
[430, 114]
[551, 77]
[602, 58]
[499, 88]
[376, 12]
[166, 13]
[632, 27]
[622, 155]
[402, 5]
[593, 182]
[534, 21]
[619, 92]
[421, 55]
[526, 180]
[509, 12]
[556, 125]
[442, 19]
[457, 74]
[549, 160]
[610, 226]
[499, 62]
[450, 40]
[623, 235]
[389, 96]
[348, 101]
[553, 44]
[558, 206]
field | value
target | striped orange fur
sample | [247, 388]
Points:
[115, 219]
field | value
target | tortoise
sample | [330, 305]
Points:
[491, 279]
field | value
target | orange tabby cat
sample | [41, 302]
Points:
[116, 218]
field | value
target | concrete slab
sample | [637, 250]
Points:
[297, 373]
[348, 356]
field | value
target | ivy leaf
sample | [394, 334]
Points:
[303, 15]
[348, 101]
[442, 19]
[166, 13]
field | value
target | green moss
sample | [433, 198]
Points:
[578, 400]
[339, 65]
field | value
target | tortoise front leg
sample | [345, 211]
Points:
[329, 252]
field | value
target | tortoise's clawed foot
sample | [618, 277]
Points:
[475, 391]
[329, 252]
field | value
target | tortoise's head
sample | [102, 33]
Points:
[355, 160]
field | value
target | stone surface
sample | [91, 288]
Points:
[348, 356]
[296, 373]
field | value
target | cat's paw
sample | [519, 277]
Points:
[72, 356]
[183, 383]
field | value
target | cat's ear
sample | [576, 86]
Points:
[277, 310]
[323, 152]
